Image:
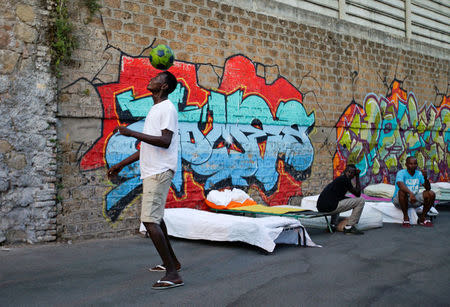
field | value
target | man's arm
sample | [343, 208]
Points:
[116, 168]
[357, 189]
[161, 141]
[402, 187]
[426, 183]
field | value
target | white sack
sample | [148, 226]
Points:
[223, 198]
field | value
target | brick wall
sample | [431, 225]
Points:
[321, 66]
[330, 66]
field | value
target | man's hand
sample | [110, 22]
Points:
[123, 131]
[412, 198]
[114, 171]
[116, 168]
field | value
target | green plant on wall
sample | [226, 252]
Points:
[63, 42]
[93, 6]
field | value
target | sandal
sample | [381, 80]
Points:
[406, 224]
[166, 284]
[426, 223]
[160, 268]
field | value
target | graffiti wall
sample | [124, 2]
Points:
[378, 136]
[272, 106]
[244, 134]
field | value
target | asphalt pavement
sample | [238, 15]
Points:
[388, 266]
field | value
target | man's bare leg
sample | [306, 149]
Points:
[160, 242]
[428, 201]
[403, 201]
[172, 253]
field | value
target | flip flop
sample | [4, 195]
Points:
[406, 224]
[426, 223]
[160, 268]
[166, 284]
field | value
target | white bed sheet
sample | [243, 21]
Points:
[204, 225]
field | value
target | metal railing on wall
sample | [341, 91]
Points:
[423, 20]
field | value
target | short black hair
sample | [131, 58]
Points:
[350, 166]
[409, 158]
[171, 81]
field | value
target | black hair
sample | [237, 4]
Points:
[350, 166]
[409, 158]
[171, 81]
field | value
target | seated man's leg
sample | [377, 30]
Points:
[401, 201]
[426, 199]
[334, 219]
[356, 204]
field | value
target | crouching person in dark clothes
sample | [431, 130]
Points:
[333, 199]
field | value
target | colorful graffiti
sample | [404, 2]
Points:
[379, 135]
[244, 134]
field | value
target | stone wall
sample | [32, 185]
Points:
[28, 132]
[275, 105]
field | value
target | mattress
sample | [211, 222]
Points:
[263, 232]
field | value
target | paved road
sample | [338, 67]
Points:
[389, 266]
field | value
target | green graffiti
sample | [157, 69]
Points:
[381, 135]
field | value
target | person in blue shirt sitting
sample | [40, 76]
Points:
[406, 194]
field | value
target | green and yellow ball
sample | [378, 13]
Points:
[161, 57]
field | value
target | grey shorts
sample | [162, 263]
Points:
[155, 190]
[418, 203]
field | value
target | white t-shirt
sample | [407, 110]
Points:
[153, 159]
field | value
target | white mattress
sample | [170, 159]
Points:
[374, 213]
[204, 225]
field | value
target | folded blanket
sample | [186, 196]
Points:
[382, 190]
[442, 185]
[441, 189]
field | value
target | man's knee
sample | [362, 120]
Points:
[402, 195]
[361, 201]
[403, 198]
[150, 225]
[429, 196]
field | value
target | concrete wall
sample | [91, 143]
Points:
[421, 20]
[272, 99]
[28, 141]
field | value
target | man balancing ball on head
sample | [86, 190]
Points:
[158, 157]
[406, 194]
